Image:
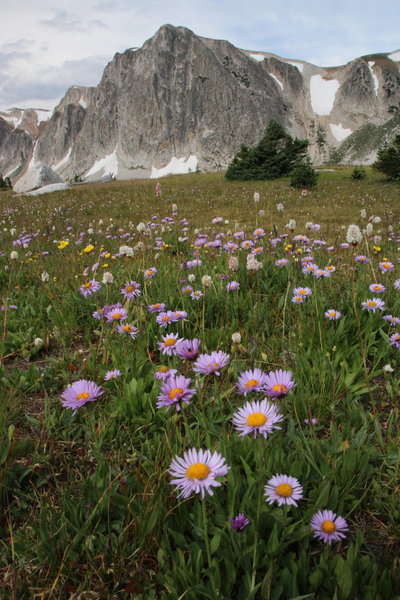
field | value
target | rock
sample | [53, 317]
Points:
[37, 175]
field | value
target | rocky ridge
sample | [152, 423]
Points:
[185, 102]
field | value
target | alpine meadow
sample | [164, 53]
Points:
[200, 390]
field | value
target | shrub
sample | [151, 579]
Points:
[302, 174]
[273, 157]
[358, 173]
[388, 161]
[5, 184]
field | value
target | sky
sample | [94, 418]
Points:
[48, 46]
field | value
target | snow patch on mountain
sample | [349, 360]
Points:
[104, 166]
[323, 92]
[339, 132]
[176, 166]
[371, 64]
[277, 80]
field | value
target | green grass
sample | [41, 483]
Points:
[87, 506]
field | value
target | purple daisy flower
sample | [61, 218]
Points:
[131, 289]
[116, 314]
[79, 393]
[112, 374]
[257, 417]
[386, 266]
[239, 523]
[169, 343]
[377, 288]
[251, 381]
[196, 472]
[156, 308]
[164, 372]
[361, 258]
[278, 383]
[149, 273]
[332, 314]
[188, 349]
[328, 527]
[196, 294]
[211, 363]
[283, 490]
[302, 291]
[174, 390]
[281, 262]
[396, 284]
[394, 340]
[391, 319]
[232, 286]
[128, 329]
[298, 299]
[89, 288]
[373, 304]
[165, 318]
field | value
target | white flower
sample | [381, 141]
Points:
[108, 277]
[369, 229]
[236, 337]
[45, 277]
[376, 220]
[13, 231]
[363, 213]
[256, 197]
[14, 255]
[174, 207]
[388, 368]
[38, 342]
[280, 207]
[191, 278]
[125, 251]
[206, 281]
[141, 227]
[253, 264]
[291, 225]
[353, 235]
[90, 231]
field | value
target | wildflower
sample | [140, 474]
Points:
[196, 294]
[353, 235]
[174, 390]
[188, 349]
[257, 417]
[149, 273]
[232, 286]
[164, 372]
[128, 329]
[206, 281]
[252, 264]
[374, 304]
[378, 288]
[45, 277]
[88, 249]
[125, 251]
[280, 207]
[391, 319]
[79, 393]
[239, 523]
[211, 363]
[187, 289]
[196, 472]
[107, 278]
[233, 263]
[156, 308]
[298, 299]
[112, 374]
[281, 262]
[38, 342]
[14, 255]
[394, 340]
[302, 291]
[386, 266]
[278, 383]
[291, 225]
[361, 258]
[251, 381]
[332, 314]
[327, 526]
[236, 338]
[311, 422]
[256, 197]
[131, 290]
[116, 314]
[164, 318]
[169, 343]
[283, 489]
[63, 244]
[89, 288]
[397, 284]
[388, 368]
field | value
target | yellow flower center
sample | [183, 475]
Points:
[331, 313]
[328, 526]
[371, 303]
[197, 471]
[156, 306]
[87, 285]
[170, 342]
[166, 318]
[302, 292]
[284, 489]
[82, 396]
[130, 288]
[252, 383]
[256, 419]
[117, 315]
[127, 327]
[163, 369]
[279, 387]
[175, 392]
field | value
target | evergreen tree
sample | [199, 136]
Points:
[302, 174]
[388, 160]
[273, 157]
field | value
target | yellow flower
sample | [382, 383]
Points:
[107, 255]
[105, 265]
[63, 244]
[88, 248]
[377, 248]
[299, 250]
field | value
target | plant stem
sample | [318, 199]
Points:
[208, 551]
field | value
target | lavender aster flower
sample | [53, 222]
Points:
[89, 288]
[164, 372]
[332, 314]
[283, 490]
[188, 349]
[251, 381]
[386, 266]
[131, 290]
[169, 343]
[116, 314]
[374, 304]
[112, 374]
[128, 329]
[394, 340]
[196, 472]
[174, 390]
[164, 318]
[79, 393]
[377, 288]
[328, 527]
[257, 418]
[239, 523]
[211, 363]
[278, 383]
[232, 286]
[156, 308]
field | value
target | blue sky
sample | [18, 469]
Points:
[47, 46]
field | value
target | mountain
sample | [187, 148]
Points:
[183, 102]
